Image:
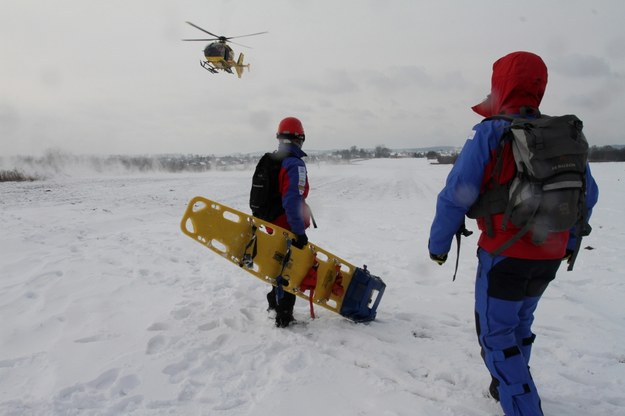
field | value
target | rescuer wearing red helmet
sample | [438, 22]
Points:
[291, 128]
[293, 178]
[278, 195]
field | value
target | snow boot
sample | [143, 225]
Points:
[284, 309]
[271, 300]
[493, 389]
[284, 318]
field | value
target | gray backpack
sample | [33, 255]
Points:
[548, 192]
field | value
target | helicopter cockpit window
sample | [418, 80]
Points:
[228, 54]
[215, 49]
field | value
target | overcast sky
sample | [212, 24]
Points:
[114, 77]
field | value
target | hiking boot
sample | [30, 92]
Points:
[493, 389]
[271, 301]
[284, 318]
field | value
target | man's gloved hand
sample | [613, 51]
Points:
[439, 258]
[567, 255]
[300, 241]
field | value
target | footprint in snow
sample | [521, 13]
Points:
[181, 313]
[158, 326]
[176, 371]
[208, 326]
[107, 394]
[96, 338]
[156, 344]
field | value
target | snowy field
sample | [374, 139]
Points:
[108, 309]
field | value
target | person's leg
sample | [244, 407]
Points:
[271, 299]
[524, 335]
[284, 310]
[543, 272]
[499, 293]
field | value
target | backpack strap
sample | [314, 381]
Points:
[508, 212]
[498, 190]
[516, 237]
[582, 228]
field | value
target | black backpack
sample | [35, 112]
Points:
[265, 197]
[548, 192]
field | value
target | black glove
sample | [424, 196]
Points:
[439, 258]
[567, 255]
[299, 241]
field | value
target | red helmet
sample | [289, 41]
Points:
[290, 128]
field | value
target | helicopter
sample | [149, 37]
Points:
[219, 55]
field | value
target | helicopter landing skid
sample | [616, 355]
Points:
[207, 66]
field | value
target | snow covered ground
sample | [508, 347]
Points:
[108, 309]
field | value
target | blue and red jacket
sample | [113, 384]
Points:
[294, 187]
[468, 178]
[518, 81]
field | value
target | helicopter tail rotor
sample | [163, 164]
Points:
[240, 66]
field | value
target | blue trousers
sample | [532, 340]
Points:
[507, 291]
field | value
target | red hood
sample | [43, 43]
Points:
[519, 80]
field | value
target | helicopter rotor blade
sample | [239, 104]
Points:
[203, 40]
[203, 30]
[242, 36]
[239, 44]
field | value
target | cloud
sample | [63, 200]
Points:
[366, 68]
[9, 119]
[616, 48]
[581, 66]
[600, 98]
[261, 120]
[396, 78]
[337, 82]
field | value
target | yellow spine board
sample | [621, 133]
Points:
[227, 232]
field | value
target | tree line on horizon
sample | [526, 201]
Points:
[57, 161]
[595, 154]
